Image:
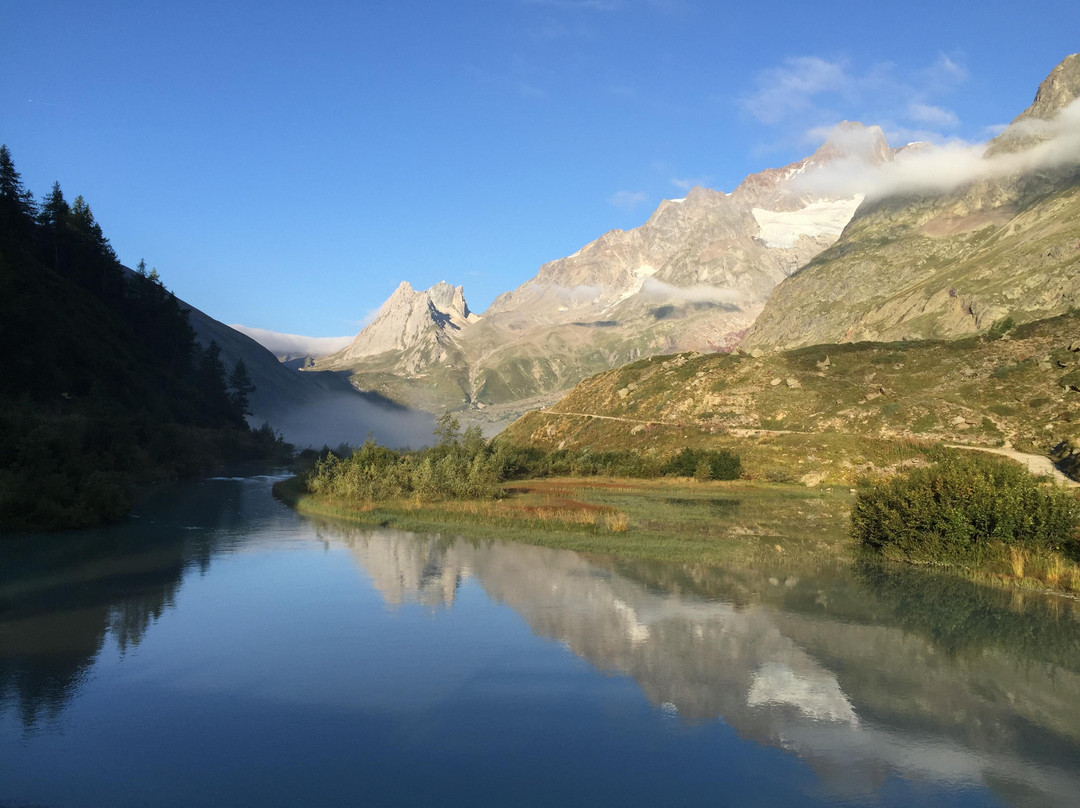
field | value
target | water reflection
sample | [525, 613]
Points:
[62, 596]
[868, 674]
[871, 673]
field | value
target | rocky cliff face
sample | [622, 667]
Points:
[692, 277]
[1004, 241]
[407, 319]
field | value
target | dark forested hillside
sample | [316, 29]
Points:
[103, 384]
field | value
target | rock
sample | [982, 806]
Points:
[757, 353]
[776, 382]
[623, 393]
[793, 383]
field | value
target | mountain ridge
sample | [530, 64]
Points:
[1004, 242]
[693, 276]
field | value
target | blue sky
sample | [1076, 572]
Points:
[285, 165]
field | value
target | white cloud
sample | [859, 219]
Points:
[627, 200]
[945, 73]
[928, 113]
[279, 343]
[686, 183]
[793, 86]
[940, 168]
[805, 92]
[651, 287]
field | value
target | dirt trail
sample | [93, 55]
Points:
[1036, 463]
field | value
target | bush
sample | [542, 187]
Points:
[717, 465]
[963, 509]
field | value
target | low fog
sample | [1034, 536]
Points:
[929, 168]
[294, 344]
[733, 299]
[335, 417]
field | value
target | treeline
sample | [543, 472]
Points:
[462, 465]
[104, 383]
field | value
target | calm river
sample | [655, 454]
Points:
[218, 649]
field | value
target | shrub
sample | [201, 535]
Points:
[722, 465]
[963, 509]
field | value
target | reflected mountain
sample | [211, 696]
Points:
[869, 674]
[865, 674]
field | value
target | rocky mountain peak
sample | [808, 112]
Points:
[851, 140]
[408, 318]
[848, 140]
[1057, 91]
[450, 300]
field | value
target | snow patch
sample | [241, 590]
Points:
[780, 228]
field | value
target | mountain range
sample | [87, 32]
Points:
[926, 262]
[859, 241]
[692, 277]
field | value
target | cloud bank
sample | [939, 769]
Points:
[282, 344]
[653, 288]
[929, 168]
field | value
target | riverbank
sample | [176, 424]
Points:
[741, 522]
[710, 523]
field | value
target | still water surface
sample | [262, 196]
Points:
[219, 649]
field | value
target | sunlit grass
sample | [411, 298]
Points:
[676, 520]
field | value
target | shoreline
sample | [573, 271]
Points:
[682, 521]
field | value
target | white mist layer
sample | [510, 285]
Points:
[933, 169]
[278, 343]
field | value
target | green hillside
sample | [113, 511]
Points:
[828, 413]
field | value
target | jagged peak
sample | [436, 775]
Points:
[449, 299]
[853, 140]
[1059, 89]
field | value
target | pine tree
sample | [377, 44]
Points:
[17, 207]
[210, 377]
[241, 388]
[52, 221]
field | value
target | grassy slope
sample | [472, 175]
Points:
[830, 413]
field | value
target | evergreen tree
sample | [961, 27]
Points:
[17, 207]
[54, 209]
[210, 377]
[52, 219]
[241, 388]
